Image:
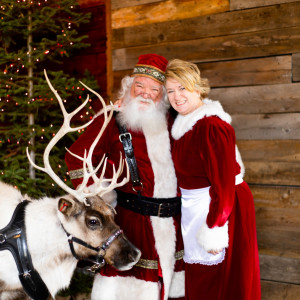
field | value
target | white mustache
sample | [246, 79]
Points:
[142, 99]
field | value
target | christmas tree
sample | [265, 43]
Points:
[37, 35]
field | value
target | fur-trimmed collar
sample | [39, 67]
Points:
[185, 123]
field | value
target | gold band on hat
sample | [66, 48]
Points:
[149, 71]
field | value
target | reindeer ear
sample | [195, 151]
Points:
[66, 206]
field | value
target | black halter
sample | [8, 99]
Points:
[98, 261]
[13, 238]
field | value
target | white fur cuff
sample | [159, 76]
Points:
[213, 238]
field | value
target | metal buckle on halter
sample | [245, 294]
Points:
[98, 265]
[2, 238]
[123, 135]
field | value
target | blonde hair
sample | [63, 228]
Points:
[188, 75]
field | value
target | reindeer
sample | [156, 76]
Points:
[59, 231]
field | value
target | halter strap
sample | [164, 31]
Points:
[13, 238]
[99, 261]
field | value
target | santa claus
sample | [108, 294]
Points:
[148, 206]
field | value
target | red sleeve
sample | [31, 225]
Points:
[83, 143]
[220, 162]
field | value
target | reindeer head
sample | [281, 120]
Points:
[94, 224]
[82, 212]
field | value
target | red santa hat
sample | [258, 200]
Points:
[152, 66]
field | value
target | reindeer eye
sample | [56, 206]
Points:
[93, 223]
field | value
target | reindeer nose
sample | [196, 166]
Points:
[131, 258]
[135, 255]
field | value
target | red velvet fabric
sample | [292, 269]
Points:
[153, 60]
[137, 228]
[205, 156]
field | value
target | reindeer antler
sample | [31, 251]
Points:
[88, 170]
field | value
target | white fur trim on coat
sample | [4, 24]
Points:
[165, 241]
[185, 123]
[124, 288]
[213, 238]
[177, 288]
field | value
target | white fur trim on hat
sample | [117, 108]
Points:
[185, 123]
[213, 238]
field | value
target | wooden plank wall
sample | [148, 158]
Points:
[250, 52]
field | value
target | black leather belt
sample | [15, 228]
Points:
[160, 207]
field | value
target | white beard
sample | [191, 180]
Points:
[138, 117]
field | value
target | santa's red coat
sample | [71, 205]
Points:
[159, 239]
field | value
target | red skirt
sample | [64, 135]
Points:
[238, 276]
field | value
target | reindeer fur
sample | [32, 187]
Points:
[47, 241]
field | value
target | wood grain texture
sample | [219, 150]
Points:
[279, 98]
[283, 219]
[227, 23]
[271, 290]
[282, 269]
[281, 242]
[116, 4]
[270, 150]
[272, 173]
[267, 126]
[276, 196]
[250, 72]
[247, 45]
[242, 4]
[165, 11]
[296, 67]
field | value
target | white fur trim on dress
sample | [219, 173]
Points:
[124, 288]
[213, 238]
[185, 123]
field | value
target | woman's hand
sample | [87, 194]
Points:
[215, 252]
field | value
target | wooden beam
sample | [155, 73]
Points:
[277, 98]
[279, 291]
[267, 126]
[282, 269]
[257, 71]
[276, 196]
[270, 150]
[116, 4]
[247, 45]
[281, 219]
[242, 4]
[235, 22]
[165, 11]
[281, 241]
[296, 67]
[272, 173]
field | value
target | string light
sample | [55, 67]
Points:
[19, 64]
